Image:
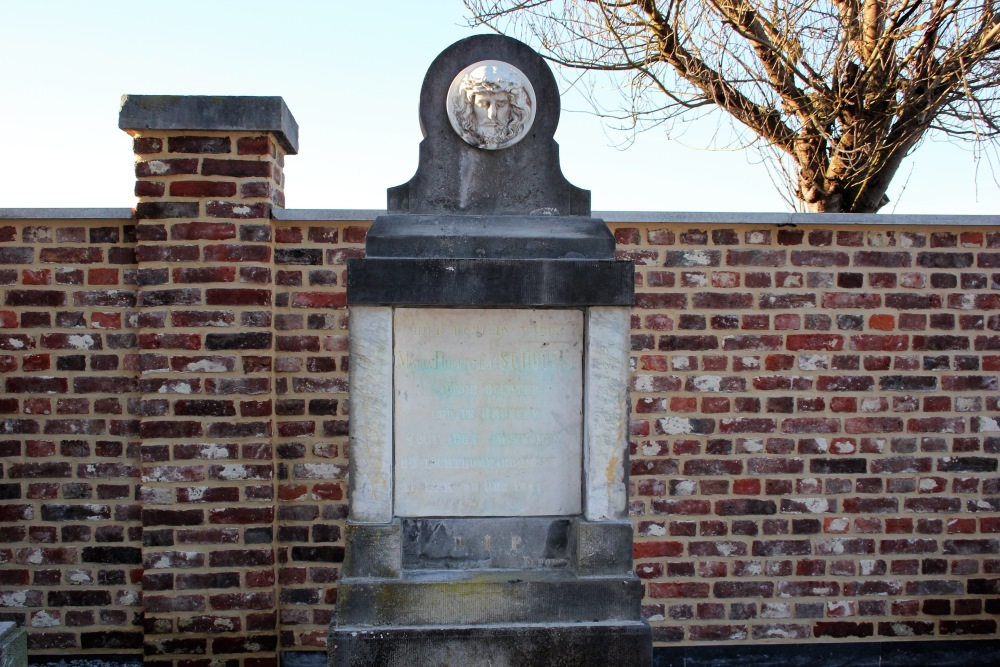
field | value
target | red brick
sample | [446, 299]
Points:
[37, 298]
[722, 300]
[259, 145]
[204, 274]
[165, 517]
[661, 301]
[868, 301]
[833, 342]
[882, 259]
[231, 601]
[256, 189]
[845, 383]
[240, 210]
[167, 253]
[319, 300]
[842, 629]
[810, 425]
[910, 301]
[173, 341]
[873, 425]
[743, 589]
[657, 549]
[756, 257]
[195, 144]
[238, 297]
[238, 168]
[678, 590]
[166, 167]
[238, 253]
[194, 231]
[748, 425]
[202, 189]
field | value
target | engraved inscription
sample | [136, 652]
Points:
[488, 412]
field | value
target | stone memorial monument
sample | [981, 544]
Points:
[488, 386]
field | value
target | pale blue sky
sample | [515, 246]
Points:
[350, 73]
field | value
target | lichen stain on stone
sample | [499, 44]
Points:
[612, 472]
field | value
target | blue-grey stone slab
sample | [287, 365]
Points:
[211, 113]
[13, 645]
[481, 237]
[489, 282]
[556, 645]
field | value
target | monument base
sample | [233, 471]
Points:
[13, 645]
[623, 644]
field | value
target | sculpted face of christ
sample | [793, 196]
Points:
[491, 105]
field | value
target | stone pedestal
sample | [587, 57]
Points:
[13, 645]
[489, 411]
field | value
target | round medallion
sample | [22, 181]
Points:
[491, 104]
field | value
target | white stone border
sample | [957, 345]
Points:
[606, 414]
[371, 437]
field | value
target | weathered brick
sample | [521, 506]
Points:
[944, 260]
[692, 258]
[722, 300]
[756, 257]
[166, 167]
[234, 601]
[239, 210]
[36, 298]
[678, 590]
[745, 506]
[882, 259]
[160, 210]
[197, 144]
[237, 253]
[80, 598]
[167, 253]
[237, 297]
[237, 168]
[688, 343]
[866, 300]
[843, 629]
[299, 256]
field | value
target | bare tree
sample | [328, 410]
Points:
[838, 92]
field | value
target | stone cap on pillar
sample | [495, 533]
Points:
[216, 113]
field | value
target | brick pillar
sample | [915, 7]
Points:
[208, 170]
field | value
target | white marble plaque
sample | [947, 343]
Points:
[488, 412]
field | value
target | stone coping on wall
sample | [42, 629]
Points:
[65, 213]
[829, 219]
[650, 217]
[705, 218]
[213, 113]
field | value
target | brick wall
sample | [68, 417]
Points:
[207, 389]
[70, 530]
[312, 411]
[815, 428]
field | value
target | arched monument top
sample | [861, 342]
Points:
[489, 108]
[495, 50]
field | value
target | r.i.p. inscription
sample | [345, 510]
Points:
[487, 412]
